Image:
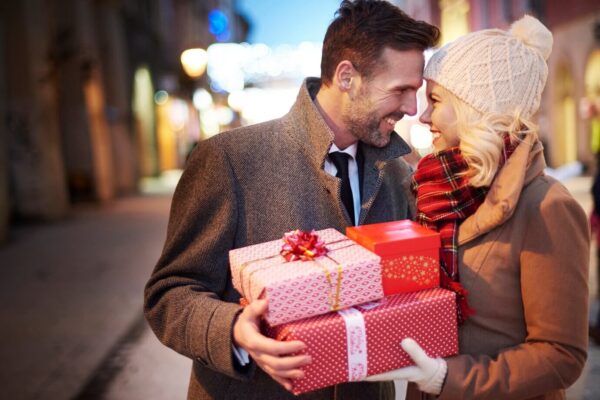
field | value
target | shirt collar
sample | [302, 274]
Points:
[350, 150]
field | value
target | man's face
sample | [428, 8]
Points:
[382, 100]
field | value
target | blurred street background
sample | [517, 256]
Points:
[101, 102]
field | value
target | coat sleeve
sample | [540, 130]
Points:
[183, 298]
[554, 264]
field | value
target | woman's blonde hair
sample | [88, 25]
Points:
[482, 137]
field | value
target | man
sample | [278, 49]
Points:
[252, 184]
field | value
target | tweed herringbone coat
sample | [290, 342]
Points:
[524, 258]
[248, 186]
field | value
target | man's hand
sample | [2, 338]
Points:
[270, 355]
[428, 373]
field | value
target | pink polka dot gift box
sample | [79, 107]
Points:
[306, 274]
[364, 340]
[410, 254]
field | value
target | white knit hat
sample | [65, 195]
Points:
[494, 70]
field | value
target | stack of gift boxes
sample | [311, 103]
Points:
[351, 298]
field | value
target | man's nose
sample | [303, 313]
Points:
[410, 107]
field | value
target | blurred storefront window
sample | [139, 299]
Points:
[454, 19]
[591, 107]
[565, 149]
[143, 114]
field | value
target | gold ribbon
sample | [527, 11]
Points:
[334, 301]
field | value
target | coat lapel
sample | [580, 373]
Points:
[375, 160]
[526, 163]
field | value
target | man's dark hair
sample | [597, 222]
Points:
[362, 29]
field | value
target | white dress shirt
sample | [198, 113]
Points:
[352, 171]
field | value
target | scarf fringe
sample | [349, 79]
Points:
[463, 309]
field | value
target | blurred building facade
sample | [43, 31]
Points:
[78, 86]
[93, 97]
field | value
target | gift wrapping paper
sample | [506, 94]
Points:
[409, 254]
[364, 340]
[349, 274]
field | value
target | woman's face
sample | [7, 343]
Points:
[441, 118]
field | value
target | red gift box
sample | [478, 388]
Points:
[364, 340]
[410, 254]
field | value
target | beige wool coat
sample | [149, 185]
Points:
[248, 186]
[524, 258]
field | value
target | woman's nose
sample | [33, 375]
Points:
[425, 117]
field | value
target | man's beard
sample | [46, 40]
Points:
[363, 122]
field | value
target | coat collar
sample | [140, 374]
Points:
[526, 163]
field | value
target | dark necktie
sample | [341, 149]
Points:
[340, 160]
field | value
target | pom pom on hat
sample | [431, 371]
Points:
[494, 70]
[534, 34]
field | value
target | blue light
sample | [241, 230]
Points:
[217, 22]
[215, 87]
[224, 36]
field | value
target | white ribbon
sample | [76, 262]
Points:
[356, 341]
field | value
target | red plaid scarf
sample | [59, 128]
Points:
[444, 200]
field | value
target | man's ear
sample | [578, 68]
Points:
[343, 76]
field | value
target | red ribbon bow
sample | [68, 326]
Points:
[300, 245]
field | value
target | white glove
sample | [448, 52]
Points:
[428, 373]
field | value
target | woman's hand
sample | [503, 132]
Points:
[428, 373]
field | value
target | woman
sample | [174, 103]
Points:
[515, 237]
